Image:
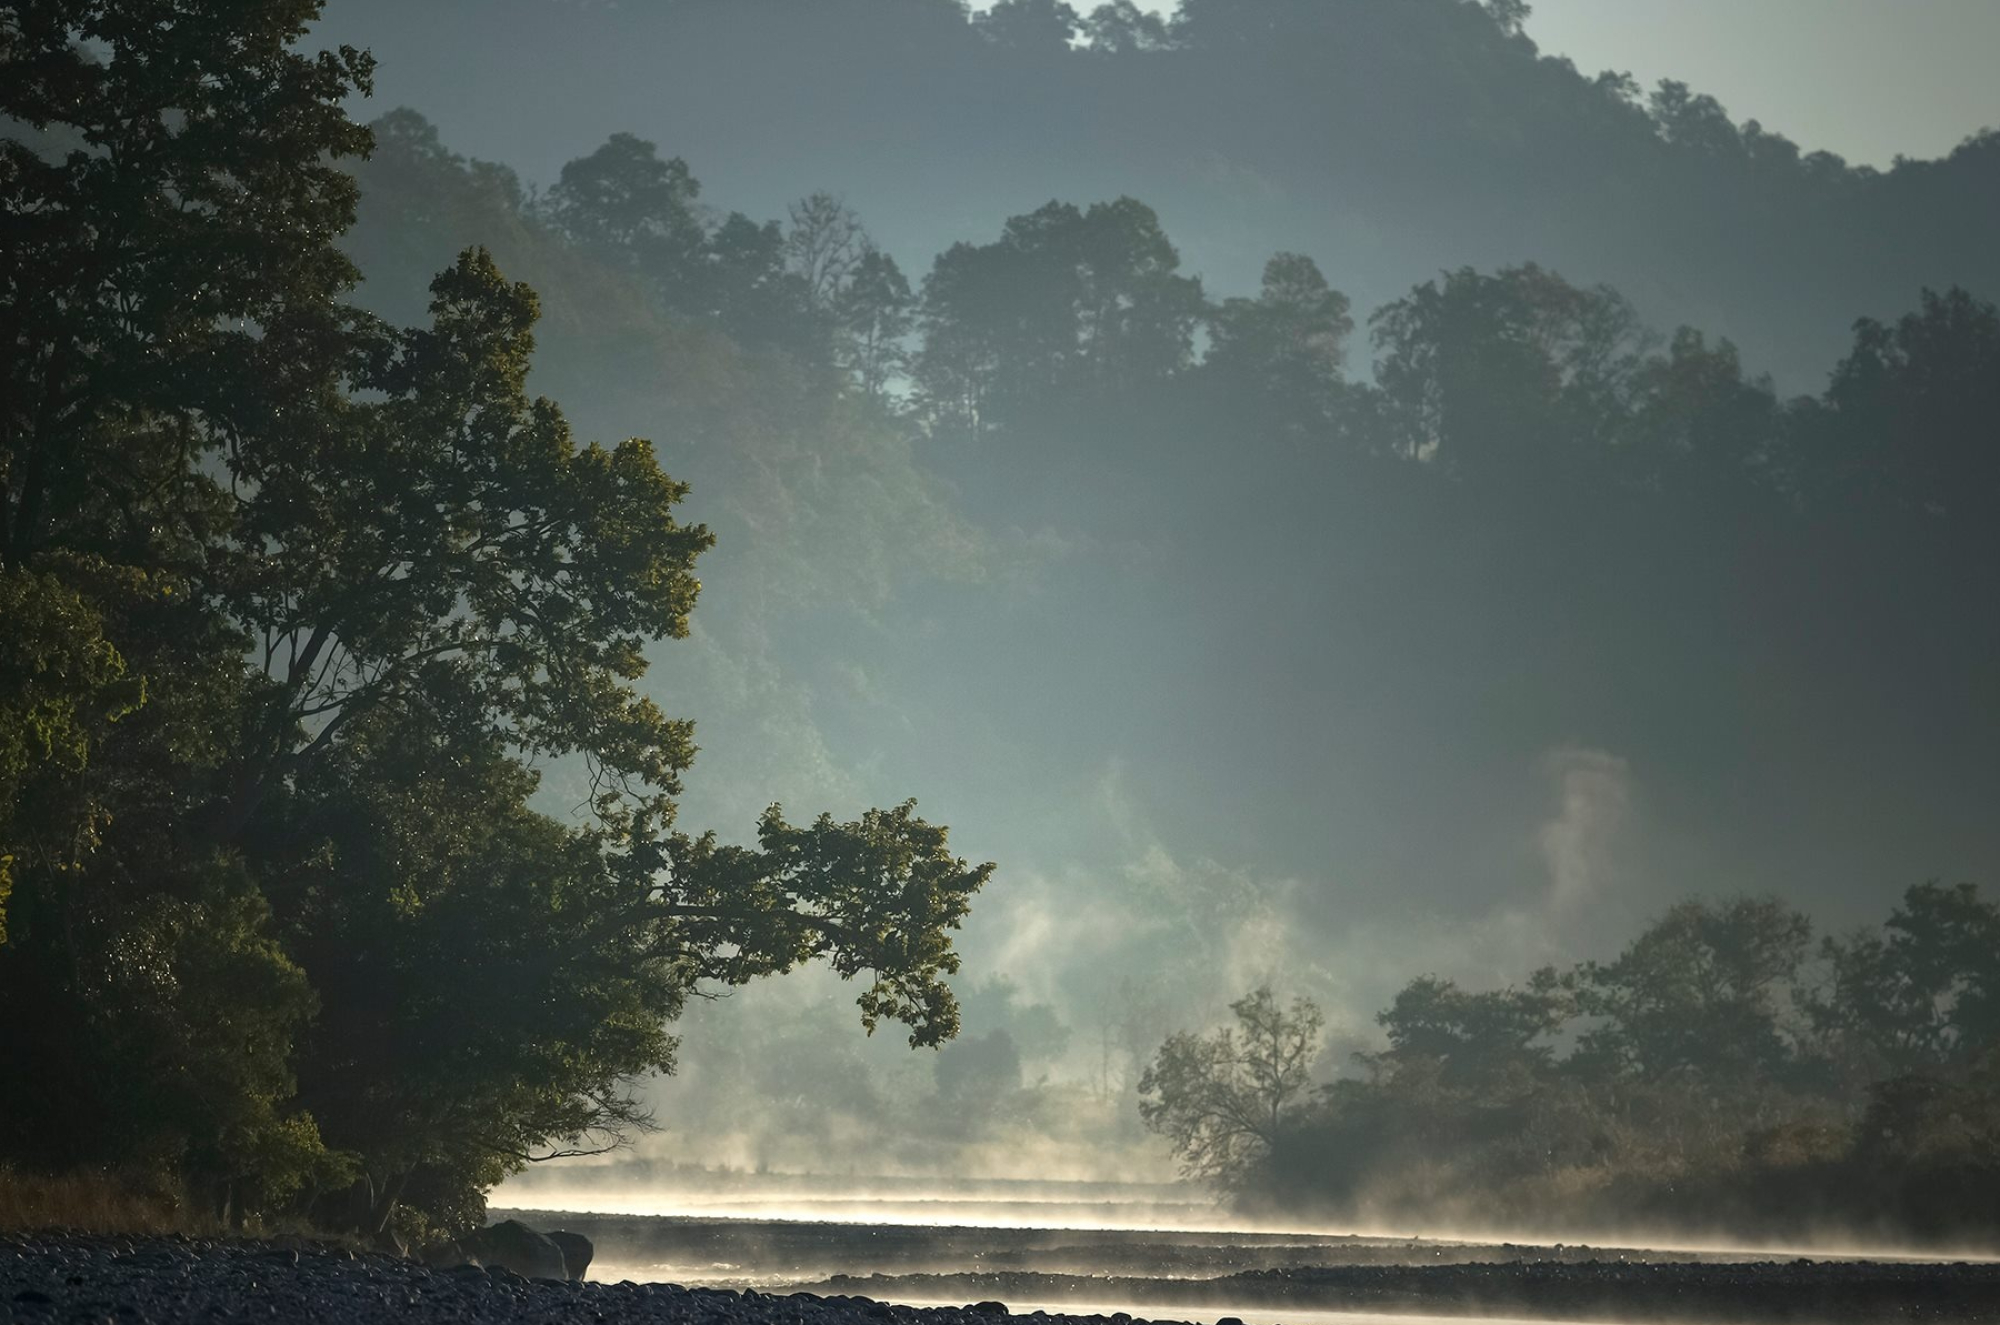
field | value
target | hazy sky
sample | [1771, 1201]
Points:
[1876, 77]
[1873, 78]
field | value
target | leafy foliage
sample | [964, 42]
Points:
[1223, 1099]
[297, 598]
[1067, 298]
[1708, 1077]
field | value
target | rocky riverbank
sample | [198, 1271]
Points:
[168, 1281]
[164, 1281]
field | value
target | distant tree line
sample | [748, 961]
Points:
[1508, 379]
[1419, 131]
[1514, 379]
[1725, 1074]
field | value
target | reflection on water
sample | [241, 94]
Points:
[1031, 1205]
[1208, 1315]
[1155, 1253]
[958, 1202]
[1204, 1314]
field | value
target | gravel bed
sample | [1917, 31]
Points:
[155, 1281]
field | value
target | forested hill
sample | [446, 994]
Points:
[1387, 140]
[1265, 630]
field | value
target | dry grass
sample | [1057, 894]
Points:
[94, 1202]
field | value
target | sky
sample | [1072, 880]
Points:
[1878, 77]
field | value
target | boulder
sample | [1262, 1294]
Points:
[512, 1245]
[576, 1251]
[443, 1255]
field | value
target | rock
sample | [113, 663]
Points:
[989, 1309]
[576, 1251]
[445, 1255]
[512, 1245]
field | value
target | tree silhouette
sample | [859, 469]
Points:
[1221, 1099]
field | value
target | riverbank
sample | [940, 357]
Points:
[171, 1280]
[177, 1280]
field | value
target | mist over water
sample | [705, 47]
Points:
[1066, 1248]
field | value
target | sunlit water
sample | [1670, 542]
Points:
[1203, 1314]
[775, 1234]
[1208, 1314]
[1124, 1208]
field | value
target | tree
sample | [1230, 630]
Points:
[1286, 348]
[449, 582]
[61, 684]
[1122, 28]
[1706, 989]
[1066, 299]
[362, 583]
[1693, 120]
[1222, 1099]
[1477, 1037]
[1511, 15]
[1698, 426]
[876, 315]
[1045, 27]
[629, 205]
[490, 980]
[1505, 378]
[746, 288]
[146, 241]
[449, 534]
[170, 191]
[1922, 995]
[1907, 419]
[823, 245]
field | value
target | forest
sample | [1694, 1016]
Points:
[1724, 1076]
[296, 601]
[342, 860]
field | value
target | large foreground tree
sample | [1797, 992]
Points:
[297, 600]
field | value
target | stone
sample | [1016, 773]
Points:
[512, 1245]
[576, 1250]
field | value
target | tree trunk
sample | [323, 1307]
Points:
[384, 1205]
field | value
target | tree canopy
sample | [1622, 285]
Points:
[1718, 1073]
[298, 602]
